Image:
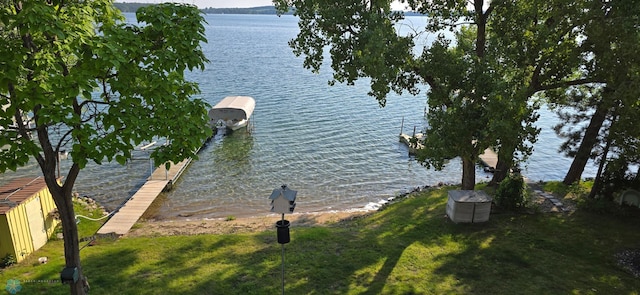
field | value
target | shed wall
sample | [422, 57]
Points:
[6, 244]
[48, 205]
[20, 235]
[15, 234]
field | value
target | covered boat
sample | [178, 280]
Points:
[233, 111]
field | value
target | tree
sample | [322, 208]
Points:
[611, 40]
[479, 85]
[614, 39]
[75, 77]
[531, 48]
[365, 43]
[536, 48]
[457, 116]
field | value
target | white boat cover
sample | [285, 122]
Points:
[233, 108]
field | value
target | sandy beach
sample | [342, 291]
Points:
[239, 225]
[260, 223]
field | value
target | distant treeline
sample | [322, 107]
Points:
[252, 10]
[133, 7]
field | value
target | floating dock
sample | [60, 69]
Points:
[488, 158]
[125, 217]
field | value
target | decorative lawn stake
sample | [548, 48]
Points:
[283, 200]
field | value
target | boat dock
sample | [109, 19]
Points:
[125, 217]
[406, 139]
[488, 158]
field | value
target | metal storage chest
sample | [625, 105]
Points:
[468, 206]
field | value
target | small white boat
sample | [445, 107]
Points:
[233, 111]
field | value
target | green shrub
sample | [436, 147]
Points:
[598, 205]
[512, 193]
[7, 261]
[606, 206]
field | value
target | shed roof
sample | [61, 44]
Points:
[19, 190]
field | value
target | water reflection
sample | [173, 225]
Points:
[233, 149]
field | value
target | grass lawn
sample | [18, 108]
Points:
[407, 248]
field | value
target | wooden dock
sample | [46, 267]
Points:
[488, 158]
[125, 217]
[406, 139]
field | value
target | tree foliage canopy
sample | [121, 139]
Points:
[462, 74]
[75, 77]
[97, 86]
[481, 82]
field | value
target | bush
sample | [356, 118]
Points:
[607, 206]
[512, 193]
[7, 261]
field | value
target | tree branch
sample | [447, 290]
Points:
[567, 84]
[86, 102]
[489, 9]
[64, 139]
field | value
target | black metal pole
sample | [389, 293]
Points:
[282, 259]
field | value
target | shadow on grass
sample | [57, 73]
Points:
[539, 254]
[407, 248]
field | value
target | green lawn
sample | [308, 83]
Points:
[407, 248]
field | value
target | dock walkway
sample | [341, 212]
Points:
[489, 158]
[125, 217]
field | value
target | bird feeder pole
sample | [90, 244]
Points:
[283, 200]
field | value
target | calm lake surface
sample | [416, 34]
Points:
[333, 144]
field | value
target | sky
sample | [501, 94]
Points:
[224, 3]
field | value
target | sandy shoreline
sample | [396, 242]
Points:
[166, 227]
[198, 226]
[239, 225]
[267, 222]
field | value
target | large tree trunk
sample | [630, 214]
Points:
[589, 140]
[502, 170]
[468, 174]
[64, 201]
[505, 162]
[62, 196]
[597, 184]
[71, 243]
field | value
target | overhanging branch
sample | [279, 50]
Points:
[567, 84]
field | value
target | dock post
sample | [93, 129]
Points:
[150, 168]
[402, 125]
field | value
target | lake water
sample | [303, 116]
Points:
[333, 144]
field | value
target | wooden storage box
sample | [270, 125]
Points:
[468, 206]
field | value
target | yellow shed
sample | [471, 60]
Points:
[25, 220]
